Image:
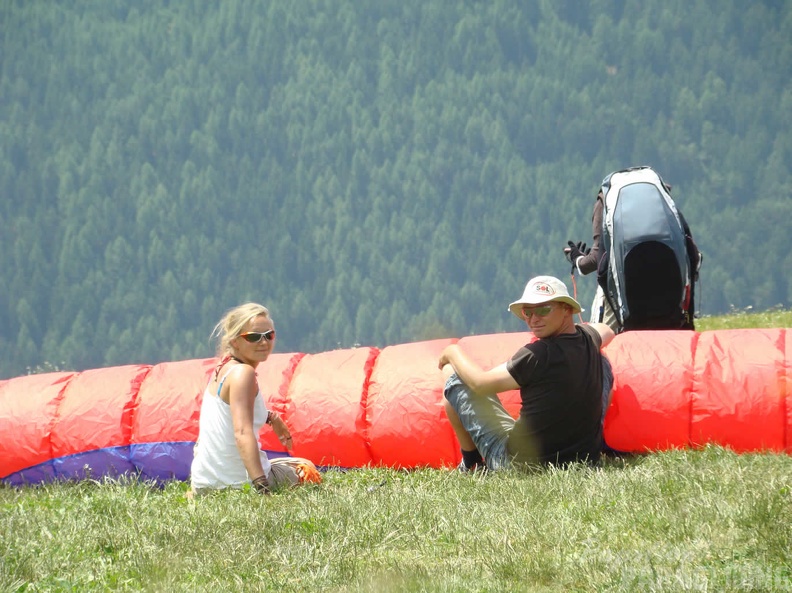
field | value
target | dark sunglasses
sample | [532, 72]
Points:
[256, 337]
[538, 311]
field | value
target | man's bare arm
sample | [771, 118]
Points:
[495, 380]
[605, 332]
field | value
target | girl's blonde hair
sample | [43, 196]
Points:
[232, 323]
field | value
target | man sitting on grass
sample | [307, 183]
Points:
[564, 382]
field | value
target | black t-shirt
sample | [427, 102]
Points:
[560, 381]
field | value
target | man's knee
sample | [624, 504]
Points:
[447, 371]
[453, 380]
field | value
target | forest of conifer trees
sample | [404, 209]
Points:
[373, 172]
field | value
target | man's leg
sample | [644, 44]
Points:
[471, 457]
[465, 442]
[596, 306]
[480, 422]
[602, 312]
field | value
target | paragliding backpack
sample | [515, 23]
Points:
[649, 262]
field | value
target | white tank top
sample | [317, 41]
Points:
[216, 461]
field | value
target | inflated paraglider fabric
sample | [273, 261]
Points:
[366, 406]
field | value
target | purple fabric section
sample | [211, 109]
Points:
[44, 472]
[93, 465]
[162, 462]
[158, 462]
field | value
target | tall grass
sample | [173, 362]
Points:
[703, 520]
[708, 520]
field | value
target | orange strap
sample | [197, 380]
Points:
[574, 292]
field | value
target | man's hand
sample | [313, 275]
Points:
[575, 251]
[445, 356]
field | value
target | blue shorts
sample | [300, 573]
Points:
[487, 421]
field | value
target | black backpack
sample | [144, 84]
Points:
[649, 263]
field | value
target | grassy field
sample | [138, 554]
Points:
[704, 520]
[747, 319]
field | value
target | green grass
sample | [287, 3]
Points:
[703, 520]
[740, 319]
[708, 520]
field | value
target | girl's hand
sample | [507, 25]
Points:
[281, 430]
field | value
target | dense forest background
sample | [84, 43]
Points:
[375, 172]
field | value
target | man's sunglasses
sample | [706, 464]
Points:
[256, 337]
[538, 311]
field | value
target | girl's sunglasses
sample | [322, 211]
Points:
[256, 337]
[538, 311]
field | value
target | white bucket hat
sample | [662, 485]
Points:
[544, 289]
